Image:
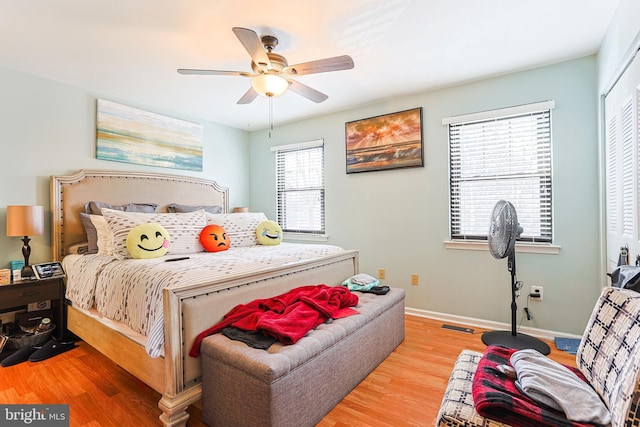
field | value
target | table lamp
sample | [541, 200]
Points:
[25, 221]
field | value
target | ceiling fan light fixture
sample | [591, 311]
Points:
[269, 84]
[270, 70]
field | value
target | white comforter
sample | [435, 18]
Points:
[130, 291]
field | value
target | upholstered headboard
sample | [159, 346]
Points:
[69, 193]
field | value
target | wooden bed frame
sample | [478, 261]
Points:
[188, 310]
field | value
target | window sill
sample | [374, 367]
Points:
[478, 245]
[305, 237]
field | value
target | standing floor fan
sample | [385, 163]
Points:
[503, 232]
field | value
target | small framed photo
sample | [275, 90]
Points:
[48, 270]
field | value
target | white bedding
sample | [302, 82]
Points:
[130, 290]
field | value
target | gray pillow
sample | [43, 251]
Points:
[92, 233]
[176, 208]
[95, 208]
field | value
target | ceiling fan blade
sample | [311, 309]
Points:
[248, 97]
[335, 63]
[253, 45]
[306, 91]
[214, 72]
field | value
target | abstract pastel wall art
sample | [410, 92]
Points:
[130, 135]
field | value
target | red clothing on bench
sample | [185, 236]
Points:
[286, 317]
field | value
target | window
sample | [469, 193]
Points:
[300, 187]
[501, 154]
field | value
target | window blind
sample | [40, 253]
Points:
[505, 157]
[300, 187]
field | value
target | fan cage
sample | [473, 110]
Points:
[503, 229]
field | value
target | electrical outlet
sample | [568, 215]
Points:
[381, 273]
[414, 279]
[537, 290]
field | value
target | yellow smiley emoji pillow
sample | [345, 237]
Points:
[148, 241]
[269, 233]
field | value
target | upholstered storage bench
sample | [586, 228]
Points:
[297, 385]
[608, 356]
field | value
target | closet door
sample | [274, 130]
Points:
[622, 168]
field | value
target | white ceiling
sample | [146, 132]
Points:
[129, 50]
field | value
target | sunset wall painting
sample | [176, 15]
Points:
[130, 135]
[385, 142]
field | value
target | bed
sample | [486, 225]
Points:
[187, 308]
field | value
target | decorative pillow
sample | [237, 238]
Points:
[213, 238]
[241, 227]
[91, 232]
[96, 228]
[176, 208]
[269, 233]
[149, 240]
[184, 229]
[95, 208]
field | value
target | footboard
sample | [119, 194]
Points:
[189, 311]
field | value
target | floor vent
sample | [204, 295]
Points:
[458, 328]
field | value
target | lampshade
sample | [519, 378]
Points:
[269, 84]
[25, 220]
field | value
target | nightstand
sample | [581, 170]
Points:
[24, 292]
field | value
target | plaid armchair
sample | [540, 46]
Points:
[608, 357]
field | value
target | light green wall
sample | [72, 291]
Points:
[398, 219]
[620, 43]
[48, 128]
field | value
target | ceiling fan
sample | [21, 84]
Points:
[271, 71]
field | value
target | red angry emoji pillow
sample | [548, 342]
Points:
[213, 238]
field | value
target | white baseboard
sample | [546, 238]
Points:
[487, 324]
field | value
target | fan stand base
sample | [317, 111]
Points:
[518, 341]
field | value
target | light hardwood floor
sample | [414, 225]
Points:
[405, 390]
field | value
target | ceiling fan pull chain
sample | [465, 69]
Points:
[270, 115]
